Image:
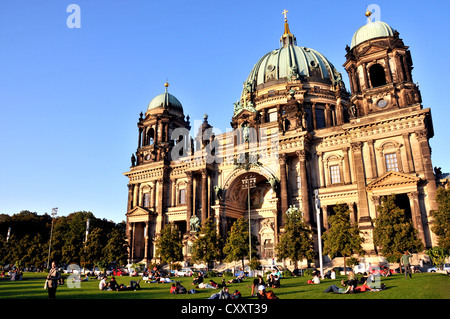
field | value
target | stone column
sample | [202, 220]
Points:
[188, 200]
[416, 215]
[388, 69]
[153, 195]
[321, 171]
[366, 78]
[363, 208]
[305, 186]
[160, 205]
[146, 241]
[376, 200]
[353, 217]
[347, 176]
[327, 112]
[410, 164]
[135, 195]
[132, 242]
[325, 216]
[284, 190]
[373, 162]
[313, 111]
[130, 197]
[422, 138]
[204, 194]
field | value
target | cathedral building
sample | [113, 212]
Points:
[297, 133]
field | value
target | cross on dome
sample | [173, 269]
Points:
[284, 12]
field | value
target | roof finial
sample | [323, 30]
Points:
[287, 38]
[368, 14]
[166, 85]
[285, 17]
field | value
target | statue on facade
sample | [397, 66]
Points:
[219, 192]
[194, 222]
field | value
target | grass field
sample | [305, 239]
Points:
[421, 286]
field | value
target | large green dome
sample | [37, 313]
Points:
[371, 30]
[292, 61]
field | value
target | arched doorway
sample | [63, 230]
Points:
[263, 208]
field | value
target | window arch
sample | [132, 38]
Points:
[377, 75]
[334, 169]
[390, 154]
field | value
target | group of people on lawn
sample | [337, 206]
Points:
[113, 285]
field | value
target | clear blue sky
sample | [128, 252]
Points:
[70, 98]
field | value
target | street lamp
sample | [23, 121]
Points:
[54, 213]
[248, 183]
[319, 230]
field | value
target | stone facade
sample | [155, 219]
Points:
[294, 135]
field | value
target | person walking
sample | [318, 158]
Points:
[405, 260]
[53, 278]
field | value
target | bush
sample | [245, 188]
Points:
[254, 264]
[308, 272]
[228, 274]
[176, 266]
[286, 273]
[211, 273]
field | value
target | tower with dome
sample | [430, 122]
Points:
[296, 130]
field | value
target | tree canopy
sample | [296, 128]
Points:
[237, 245]
[29, 241]
[393, 231]
[342, 237]
[207, 247]
[296, 243]
[441, 219]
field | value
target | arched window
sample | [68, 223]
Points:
[377, 75]
[150, 136]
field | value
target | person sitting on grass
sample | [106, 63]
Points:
[180, 288]
[198, 279]
[173, 289]
[315, 279]
[113, 285]
[103, 285]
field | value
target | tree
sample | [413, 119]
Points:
[296, 243]
[342, 238]
[441, 218]
[93, 248]
[30, 234]
[437, 256]
[36, 253]
[236, 247]
[169, 245]
[116, 247]
[206, 247]
[393, 231]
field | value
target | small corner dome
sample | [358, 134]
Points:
[371, 30]
[166, 101]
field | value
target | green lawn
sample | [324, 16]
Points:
[421, 286]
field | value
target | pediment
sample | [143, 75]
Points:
[393, 179]
[139, 212]
[245, 112]
[371, 49]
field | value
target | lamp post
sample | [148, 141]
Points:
[319, 230]
[248, 183]
[54, 213]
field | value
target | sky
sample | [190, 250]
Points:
[70, 97]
